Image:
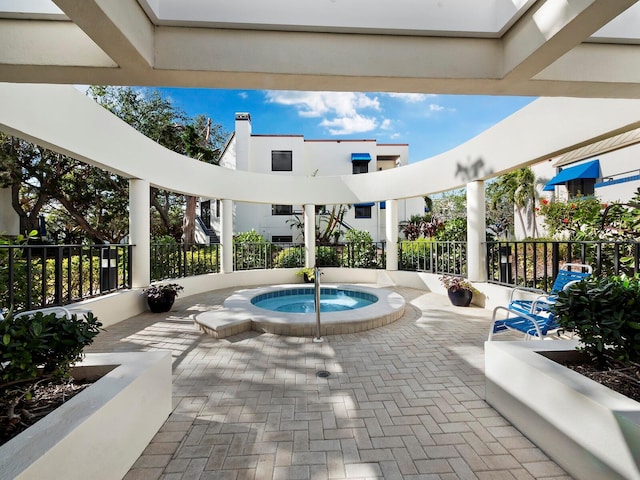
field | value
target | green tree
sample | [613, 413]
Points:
[157, 118]
[513, 189]
[77, 196]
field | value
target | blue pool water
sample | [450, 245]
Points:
[301, 300]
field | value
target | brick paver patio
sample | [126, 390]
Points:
[403, 401]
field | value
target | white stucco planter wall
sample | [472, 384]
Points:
[588, 429]
[100, 432]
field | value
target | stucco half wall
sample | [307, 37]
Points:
[63, 119]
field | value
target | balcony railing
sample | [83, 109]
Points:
[36, 276]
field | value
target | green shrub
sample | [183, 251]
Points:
[359, 250]
[416, 254]
[37, 345]
[605, 313]
[327, 256]
[252, 251]
[292, 257]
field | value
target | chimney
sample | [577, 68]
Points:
[243, 137]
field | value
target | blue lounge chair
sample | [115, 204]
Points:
[536, 325]
[569, 274]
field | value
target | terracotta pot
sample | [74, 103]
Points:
[460, 297]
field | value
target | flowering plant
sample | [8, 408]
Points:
[453, 283]
[163, 290]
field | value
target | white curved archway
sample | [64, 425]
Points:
[64, 120]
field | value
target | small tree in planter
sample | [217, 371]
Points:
[604, 312]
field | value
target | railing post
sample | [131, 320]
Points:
[57, 272]
[555, 259]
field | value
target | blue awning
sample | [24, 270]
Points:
[364, 204]
[360, 157]
[584, 170]
[383, 205]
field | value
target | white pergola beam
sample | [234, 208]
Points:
[121, 28]
[326, 54]
[40, 42]
[547, 33]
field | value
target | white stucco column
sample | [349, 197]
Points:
[9, 219]
[476, 232]
[140, 232]
[391, 234]
[226, 230]
[309, 235]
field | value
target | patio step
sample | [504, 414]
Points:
[222, 323]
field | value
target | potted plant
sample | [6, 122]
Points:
[160, 296]
[459, 290]
[307, 273]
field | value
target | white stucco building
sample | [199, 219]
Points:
[293, 155]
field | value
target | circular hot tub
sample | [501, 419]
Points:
[289, 309]
[302, 300]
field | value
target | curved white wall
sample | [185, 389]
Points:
[65, 120]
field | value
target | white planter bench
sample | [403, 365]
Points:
[588, 429]
[99, 433]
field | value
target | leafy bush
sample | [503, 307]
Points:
[327, 257]
[604, 313]
[291, 257]
[252, 251]
[359, 251]
[416, 255]
[37, 345]
[579, 218]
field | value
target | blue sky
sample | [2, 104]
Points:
[430, 124]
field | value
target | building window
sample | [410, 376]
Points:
[363, 211]
[581, 186]
[360, 166]
[281, 209]
[281, 161]
[281, 239]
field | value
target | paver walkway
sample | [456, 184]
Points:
[403, 401]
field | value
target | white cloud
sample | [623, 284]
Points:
[386, 124]
[243, 95]
[347, 125]
[435, 108]
[340, 111]
[411, 97]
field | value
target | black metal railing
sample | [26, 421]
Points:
[437, 257]
[258, 255]
[536, 263]
[173, 260]
[37, 276]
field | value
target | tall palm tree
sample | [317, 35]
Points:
[524, 196]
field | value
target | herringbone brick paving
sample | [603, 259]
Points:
[404, 401]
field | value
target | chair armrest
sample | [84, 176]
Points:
[538, 291]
